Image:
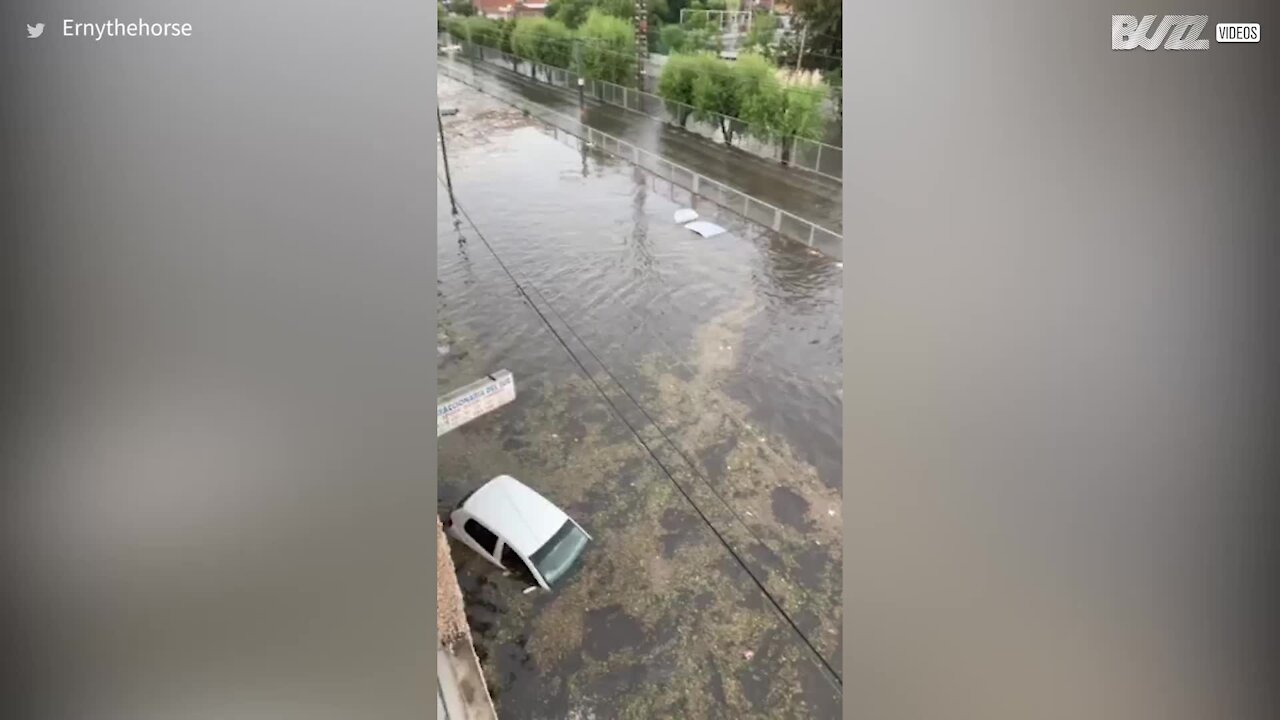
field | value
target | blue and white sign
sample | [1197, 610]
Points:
[462, 406]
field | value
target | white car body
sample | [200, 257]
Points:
[504, 519]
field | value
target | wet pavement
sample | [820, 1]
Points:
[703, 423]
[805, 194]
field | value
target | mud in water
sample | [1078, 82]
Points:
[659, 619]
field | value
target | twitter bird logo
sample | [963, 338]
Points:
[35, 31]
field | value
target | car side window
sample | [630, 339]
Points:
[481, 535]
[513, 562]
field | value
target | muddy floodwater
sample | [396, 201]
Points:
[684, 407]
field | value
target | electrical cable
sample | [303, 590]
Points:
[833, 675]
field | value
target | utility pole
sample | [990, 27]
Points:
[803, 31]
[641, 22]
[577, 63]
[448, 179]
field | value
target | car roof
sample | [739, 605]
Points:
[516, 512]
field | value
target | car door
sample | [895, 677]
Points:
[481, 539]
[512, 561]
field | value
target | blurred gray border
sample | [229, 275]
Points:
[223, 250]
[1059, 356]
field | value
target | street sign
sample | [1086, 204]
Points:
[462, 406]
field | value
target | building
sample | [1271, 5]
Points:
[509, 9]
[461, 693]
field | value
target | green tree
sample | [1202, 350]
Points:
[544, 41]
[672, 38]
[800, 113]
[822, 22]
[465, 8]
[760, 96]
[697, 20]
[505, 31]
[716, 96]
[625, 9]
[570, 12]
[456, 25]
[675, 85]
[608, 48]
[764, 26]
[482, 31]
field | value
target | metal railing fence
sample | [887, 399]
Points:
[818, 157]
[753, 209]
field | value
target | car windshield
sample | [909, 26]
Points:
[555, 557]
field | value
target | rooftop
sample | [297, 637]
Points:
[516, 512]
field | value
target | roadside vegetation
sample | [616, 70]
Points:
[763, 94]
[748, 96]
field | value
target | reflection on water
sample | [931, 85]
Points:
[731, 348]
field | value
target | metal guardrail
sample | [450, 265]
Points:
[812, 155]
[752, 209]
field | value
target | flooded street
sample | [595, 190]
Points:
[686, 410]
[808, 195]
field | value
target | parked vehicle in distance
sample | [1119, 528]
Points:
[515, 528]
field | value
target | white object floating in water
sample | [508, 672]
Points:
[704, 228]
[686, 215]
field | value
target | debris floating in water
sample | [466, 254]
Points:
[704, 228]
[686, 215]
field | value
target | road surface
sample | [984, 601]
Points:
[698, 441]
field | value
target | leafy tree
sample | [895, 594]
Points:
[835, 81]
[800, 113]
[675, 85]
[505, 31]
[465, 8]
[544, 41]
[764, 26]
[672, 38]
[482, 31]
[822, 20]
[625, 9]
[760, 97]
[570, 12]
[608, 48]
[697, 20]
[456, 26]
[658, 12]
[716, 96]
[672, 13]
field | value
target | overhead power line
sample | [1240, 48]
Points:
[833, 676]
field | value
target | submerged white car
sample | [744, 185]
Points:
[515, 528]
